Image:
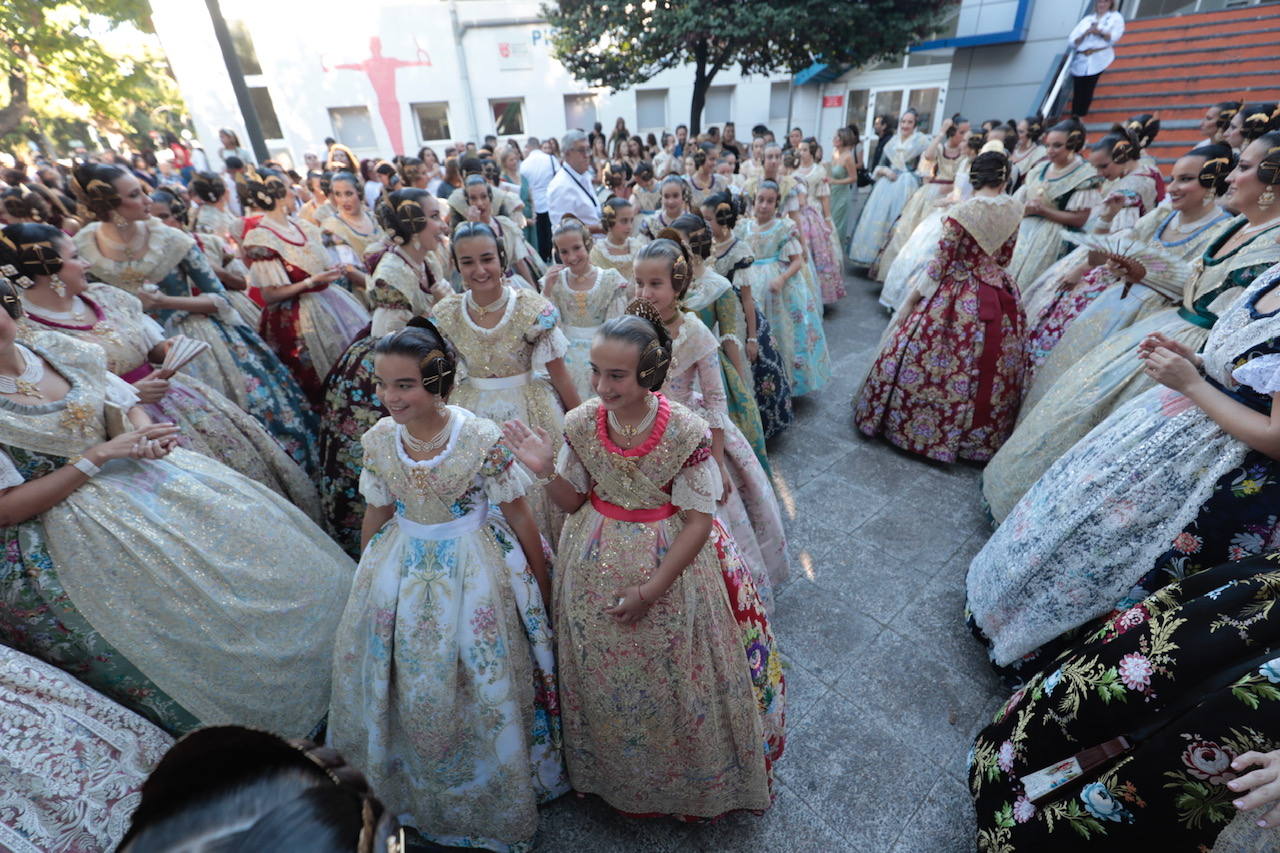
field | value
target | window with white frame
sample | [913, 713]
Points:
[651, 109]
[579, 111]
[353, 127]
[508, 116]
[433, 120]
[719, 105]
[779, 100]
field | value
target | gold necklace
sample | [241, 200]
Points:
[630, 433]
[431, 445]
[494, 306]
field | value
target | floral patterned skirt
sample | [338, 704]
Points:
[827, 257]
[795, 316]
[1062, 308]
[350, 409]
[772, 388]
[1169, 792]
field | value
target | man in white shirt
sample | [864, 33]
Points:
[538, 168]
[1094, 39]
[571, 189]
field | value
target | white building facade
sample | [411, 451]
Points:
[386, 76]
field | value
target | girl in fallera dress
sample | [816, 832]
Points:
[349, 232]
[675, 198]
[128, 249]
[506, 338]
[949, 377]
[815, 222]
[780, 279]
[617, 250]
[309, 318]
[646, 195]
[444, 686]
[663, 712]
[58, 298]
[317, 208]
[480, 208]
[749, 508]
[115, 536]
[704, 181]
[585, 295]
[213, 216]
[406, 282]
[1028, 151]
[730, 256]
[712, 298]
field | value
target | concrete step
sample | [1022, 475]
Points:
[1196, 55]
[1246, 33]
[1184, 103]
[1204, 20]
[1232, 78]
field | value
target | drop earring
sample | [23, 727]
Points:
[1267, 198]
[1208, 199]
[417, 244]
[117, 220]
[58, 286]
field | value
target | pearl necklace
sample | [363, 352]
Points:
[26, 383]
[494, 306]
[630, 433]
[431, 445]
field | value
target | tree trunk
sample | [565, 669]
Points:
[12, 114]
[701, 82]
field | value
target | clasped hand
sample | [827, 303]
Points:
[1169, 362]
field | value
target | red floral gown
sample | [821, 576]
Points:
[950, 374]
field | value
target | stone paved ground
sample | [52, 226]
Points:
[886, 688]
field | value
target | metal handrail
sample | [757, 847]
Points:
[1048, 106]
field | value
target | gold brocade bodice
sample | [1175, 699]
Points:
[63, 427]
[507, 348]
[166, 247]
[307, 254]
[589, 307]
[343, 232]
[116, 324]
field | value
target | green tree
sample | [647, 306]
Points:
[619, 43]
[69, 64]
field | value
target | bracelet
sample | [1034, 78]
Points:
[84, 466]
[545, 481]
[753, 340]
[641, 594]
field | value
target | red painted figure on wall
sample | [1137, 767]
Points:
[381, 71]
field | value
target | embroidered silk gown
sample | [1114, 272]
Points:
[1110, 374]
[949, 377]
[348, 245]
[311, 330]
[794, 313]
[922, 202]
[444, 686]
[498, 378]
[888, 196]
[398, 292]
[621, 258]
[177, 587]
[582, 312]
[239, 364]
[211, 424]
[664, 716]
[211, 219]
[1158, 472]
[820, 234]
[218, 251]
[1041, 242]
[771, 385]
[916, 252]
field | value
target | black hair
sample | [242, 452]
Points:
[233, 162]
[956, 121]
[403, 214]
[1219, 161]
[989, 169]
[1269, 166]
[725, 208]
[1120, 144]
[1258, 119]
[208, 187]
[686, 192]
[643, 170]
[1074, 131]
[411, 168]
[471, 165]
[421, 341]
[642, 326]
[1035, 127]
[1145, 127]
[669, 248]
[95, 185]
[175, 204]
[609, 210]
[29, 249]
[696, 233]
[9, 299]
[346, 177]
[258, 189]
[1226, 112]
[23, 202]
[467, 229]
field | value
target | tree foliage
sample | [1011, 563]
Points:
[620, 43]
[71, 63]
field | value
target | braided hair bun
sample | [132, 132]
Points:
[1219, 161]
[697, 235]
[725, 208]
[404, 213]
[29, 249]
[421, 341]
[989, 169]
[175, 204]
[94, 186]
[1144, 127]
[262, 188]
[609, 211]
[1258, 119]
[670, 248]
[1269, 166]
[208, 187]
[1121, 144]
[1073, 130]
[641, 325]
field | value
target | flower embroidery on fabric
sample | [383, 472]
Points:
[1135, 671]
[1271, 669]
[1023, 810]
[1050, 683]
[1102, 805]
[1209, 762]
[1187, 543]
[1005, 756]
[1131, 618]
[77, 417]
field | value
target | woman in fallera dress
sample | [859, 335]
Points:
[663, 712]
[585, 295]
[502, 335]
[1108, 375]
[350, 232]
[309, 318]
[128, 249]
[213, 215]
[617, 250]
[444, 686]
[949, 377]
[116, 537]
[895, 181]
[730, 256]
[57, 297]
[815, 222]
[1058, 196]
[406, 282]
[780, 279]
[1028, 151]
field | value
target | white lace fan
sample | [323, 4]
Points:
[1141, 262]
[181, 350]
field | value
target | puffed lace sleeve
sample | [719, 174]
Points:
[570, 467]
[152, 332]
[1262, 374]
[266, 269]
[9, 476]
[120, 393]
[374, 489]
[503, 479]
[715, 404]
[698, 485]
[549, 343]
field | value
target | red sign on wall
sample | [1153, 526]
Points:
[832, 101]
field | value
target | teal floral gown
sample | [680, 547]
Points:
[713, 299]
[772, 387]
[238, 363]
[182, 590]
[1199, 661]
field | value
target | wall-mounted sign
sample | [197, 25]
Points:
[832, 101]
